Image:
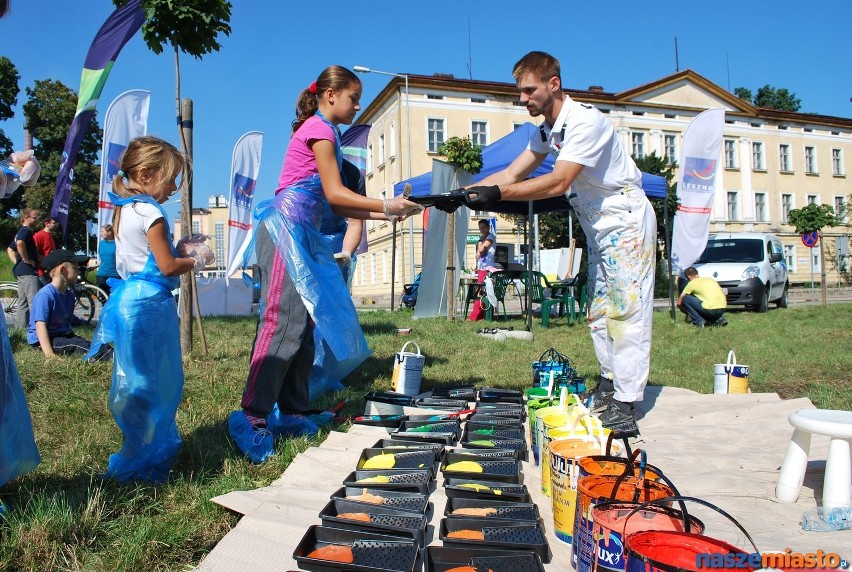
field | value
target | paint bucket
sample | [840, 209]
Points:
[612, 522]
[585, 429]
[408, 370]
[568, 405]
[594, 489]
[610, 464]
[682, 551]
[565, 455]
[730, 377]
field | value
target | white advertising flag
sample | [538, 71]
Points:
[245, 167]
[699, 178]
[126, 118]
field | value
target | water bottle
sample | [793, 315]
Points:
[821, 519]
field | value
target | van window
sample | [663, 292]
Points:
[732, 250]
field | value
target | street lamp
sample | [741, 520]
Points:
[362, 69]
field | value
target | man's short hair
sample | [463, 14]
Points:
[691, 271]
[540, 64]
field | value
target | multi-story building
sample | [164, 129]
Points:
[212, 221]
[774, 161]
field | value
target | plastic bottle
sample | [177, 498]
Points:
[821, 519]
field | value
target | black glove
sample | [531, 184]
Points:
[454, 199]
[482, 198]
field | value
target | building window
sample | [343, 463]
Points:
[758, 163]
[837, 162]
[790, 257]
[784, 163]
[436, 134]
[638, 144]
[372, 267]
[670, 148]
[815, 260]
[382, 149]
[730, 154]
[363, 268]
[760, 207]
[812, 200]
[479, 133]
[196, 227]
[733, 205]
[810, 161]
[392, 152]
[786, 207]
[384, 266]
[369, 167]
[840, 209]
[219, 235]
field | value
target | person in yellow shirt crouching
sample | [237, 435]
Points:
[702, 300]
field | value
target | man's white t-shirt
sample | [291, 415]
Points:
[131, 244]
[582, 134]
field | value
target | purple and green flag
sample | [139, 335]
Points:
[110, 39]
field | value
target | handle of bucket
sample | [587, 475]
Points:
[680, 499]
[405, 345]
[627, 450]
[730, 362]
[628, 470]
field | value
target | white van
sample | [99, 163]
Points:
[750, 268]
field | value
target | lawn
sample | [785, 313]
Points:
[62, 516]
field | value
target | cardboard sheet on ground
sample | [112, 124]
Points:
[725, 449]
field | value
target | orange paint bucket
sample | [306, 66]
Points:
[594, 489]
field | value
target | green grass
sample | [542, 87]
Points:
[63, 517]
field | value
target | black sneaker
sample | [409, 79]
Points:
[620, 418]
[720, 323]
[598, 401]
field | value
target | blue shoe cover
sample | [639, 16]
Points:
[282, 425]
[255, 443]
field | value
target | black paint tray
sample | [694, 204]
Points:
[398, 500]
[466, 392]
[438, 402]
[445, 426]
[515, 511]
[372, 552]
[507, 491]
[393, 421]
[390, 397]
[382, 520]
[444, 438]
[502, 420]
[473, 443]
[507, 535]
[494, 394]
[503, 470]
[441, 559]
[482, 431]
[419, 480]
[501, 409]
[411, 459]
[399, 445]
[489, 453]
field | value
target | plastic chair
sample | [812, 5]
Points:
[501, 281]
[471, 295]
[537, 286]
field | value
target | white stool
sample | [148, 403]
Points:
[837, 485]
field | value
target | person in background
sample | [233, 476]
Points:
[702, 300]
[45, 244]
[52, 315]
[106, 253]
[26, 268]
[301, 284]
[593, 169]
[485, 249]
[140, 317]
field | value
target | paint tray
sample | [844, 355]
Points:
[417, 503]
[504, 420]
[446, 426]
[412, 459]
[393, 421]
[501, 409]
[441, 559]
[473, 431]
[494, 394]
[372, 552]
[396, 444]
[466, 392]
[515, 511]
[458, 404]
[507, 491]
[413, 480]
[434, 418]
[487, 443]
[382, 519]
[488, 453]
[390, 397]
[507, 535]
[443, 438]
[503, 470]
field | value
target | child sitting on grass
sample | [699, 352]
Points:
[52, 314]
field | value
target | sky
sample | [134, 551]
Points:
[273, 52]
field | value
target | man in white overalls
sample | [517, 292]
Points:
[621, 230]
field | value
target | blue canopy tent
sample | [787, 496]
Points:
[498, 156]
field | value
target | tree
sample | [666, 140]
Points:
[780, 99]
[812, 218]
[462, 154]
[743, 93]
[49, 111]
[9, 78]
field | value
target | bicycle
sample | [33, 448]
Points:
[90, 299]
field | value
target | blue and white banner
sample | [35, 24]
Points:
[245, 167]
[698, 180]
[125, 119]
[353, 145]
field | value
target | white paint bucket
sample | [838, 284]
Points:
[730, 377]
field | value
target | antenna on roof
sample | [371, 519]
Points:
[677, 63]
[469, 52]
[728, 66]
